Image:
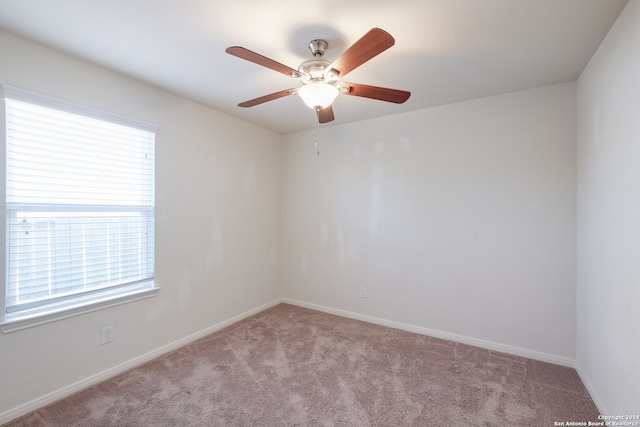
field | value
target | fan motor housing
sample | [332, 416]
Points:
[314, 68]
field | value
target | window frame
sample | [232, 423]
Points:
[97, 300]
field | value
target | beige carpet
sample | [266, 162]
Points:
[290, 366]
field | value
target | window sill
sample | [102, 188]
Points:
[23, 322]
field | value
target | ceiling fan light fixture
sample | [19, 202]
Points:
[318, 94]
[319, 77]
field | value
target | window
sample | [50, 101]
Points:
[79, 208]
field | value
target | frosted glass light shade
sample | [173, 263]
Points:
[318, 94]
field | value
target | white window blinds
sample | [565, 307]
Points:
[79, 209]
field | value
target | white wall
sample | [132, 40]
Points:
[608, 303]
[215, 258]
[457, 219]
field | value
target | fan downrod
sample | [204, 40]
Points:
[318, 47]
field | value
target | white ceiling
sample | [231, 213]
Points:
[446, 50]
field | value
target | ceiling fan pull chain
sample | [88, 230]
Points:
[317, 143]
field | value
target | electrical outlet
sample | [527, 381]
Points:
[107, 334]
[363, 292]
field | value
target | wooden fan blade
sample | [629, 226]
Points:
[326, 115]
[371, 44]
[270, 97]
[376, 92]
[256, 58]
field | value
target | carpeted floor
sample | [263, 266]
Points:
[289, 366]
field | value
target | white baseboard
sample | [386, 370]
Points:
[592, 391]
[42, 401]
[489, 345]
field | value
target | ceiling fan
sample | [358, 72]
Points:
[320, 78]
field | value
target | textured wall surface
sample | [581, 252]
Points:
[608, 211]
[215, 257]
[459, 219]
